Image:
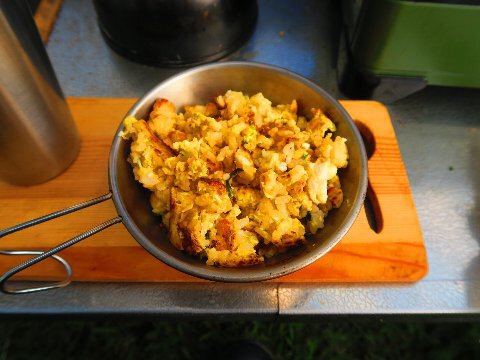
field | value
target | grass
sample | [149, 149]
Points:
[117, 339]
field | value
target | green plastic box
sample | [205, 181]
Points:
[436, 42]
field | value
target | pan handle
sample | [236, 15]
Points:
[43, 255]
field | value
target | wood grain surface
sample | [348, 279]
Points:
[45, 17]
[395, 252]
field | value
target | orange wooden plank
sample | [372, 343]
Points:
[45, 17]
[397, 253]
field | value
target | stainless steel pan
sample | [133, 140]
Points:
[200, 85]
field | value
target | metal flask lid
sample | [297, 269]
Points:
[173, 33]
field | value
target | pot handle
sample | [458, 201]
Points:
[43, 255]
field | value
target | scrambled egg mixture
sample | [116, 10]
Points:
[237, 180]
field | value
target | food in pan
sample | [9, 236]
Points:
[237, 180]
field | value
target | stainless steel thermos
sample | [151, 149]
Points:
[38, 137]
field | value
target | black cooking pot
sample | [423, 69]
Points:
[175, 32]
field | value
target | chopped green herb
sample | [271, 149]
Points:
[207, 235]
[228, 185]
[250, 135]
[305, 156]
[229, 189]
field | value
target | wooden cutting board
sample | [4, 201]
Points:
[391, 251]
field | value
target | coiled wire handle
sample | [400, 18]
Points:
[50, 253]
